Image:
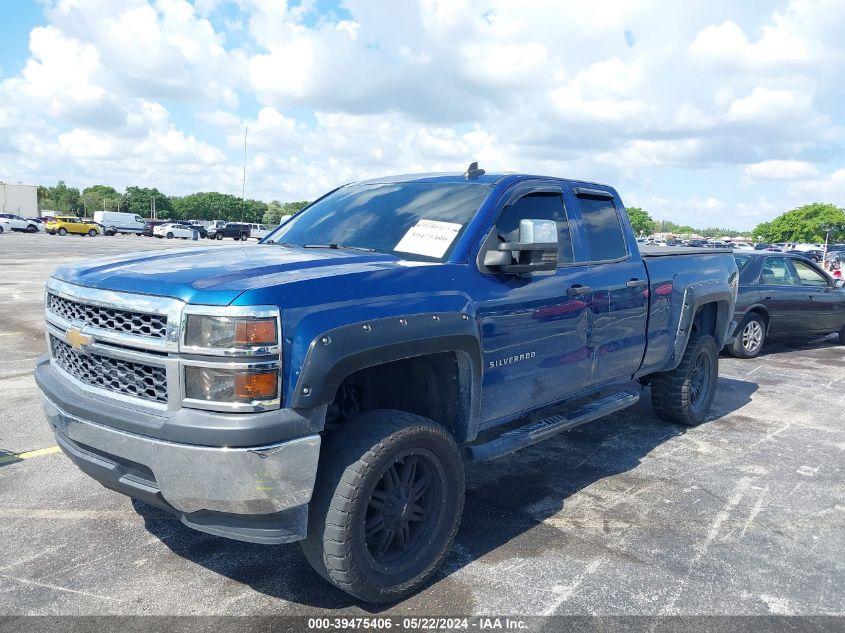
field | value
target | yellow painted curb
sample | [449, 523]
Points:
[29, 454]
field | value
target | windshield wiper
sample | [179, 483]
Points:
[340, 246]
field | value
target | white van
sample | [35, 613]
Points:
[114, 222]
[259, 231]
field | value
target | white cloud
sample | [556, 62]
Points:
[712, 107]
[781, 170]
[765, 105]
[830, 188]
[726, 43]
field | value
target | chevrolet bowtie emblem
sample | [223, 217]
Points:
[77, 339]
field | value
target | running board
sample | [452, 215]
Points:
[529, 434]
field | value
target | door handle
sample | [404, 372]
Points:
[636, 283]
[767, 298]
[578, 290]
[811, 297]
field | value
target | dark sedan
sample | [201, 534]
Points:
[783, 295]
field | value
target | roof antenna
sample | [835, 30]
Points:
[243, 198]
[473, 171]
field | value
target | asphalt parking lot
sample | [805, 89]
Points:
[741, 515]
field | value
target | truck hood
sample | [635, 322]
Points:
[217, 276]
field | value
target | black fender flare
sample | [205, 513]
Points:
[696, 295]
[339, 352]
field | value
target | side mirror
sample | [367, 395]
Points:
[535, 251]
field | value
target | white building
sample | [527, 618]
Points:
[19, 199]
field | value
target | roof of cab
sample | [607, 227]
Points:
[454, 177]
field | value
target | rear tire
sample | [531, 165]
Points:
[750, 337]
[62, 231]
[219, 236]
[387, 504]
[684, 395]
[92, 233]
[170, 236]
[31, 228]
[842, 336]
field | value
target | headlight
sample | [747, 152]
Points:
[230, 332]
[248, 386]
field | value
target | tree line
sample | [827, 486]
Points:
[644, 224]
[204, 205]
[810, 224]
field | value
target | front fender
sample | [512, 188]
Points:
[338, 352]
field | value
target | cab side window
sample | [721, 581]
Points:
[809, 276]
[603, 228]
[537, 206]
[776, 272]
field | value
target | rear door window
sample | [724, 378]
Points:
[603, 228]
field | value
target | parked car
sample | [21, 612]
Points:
[150, 225]
[259, 231]
[211, 229]
[235, 230]
[5, 225]
[811, 254]
[113, 222]
[172, 230]
[64, 225]
[327, 388]
[832, 256]
[24, 225]
[784, 295]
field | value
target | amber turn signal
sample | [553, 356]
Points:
[255, 332]
[256, 386]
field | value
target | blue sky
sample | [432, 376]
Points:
[713, 114]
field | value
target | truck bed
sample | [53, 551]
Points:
[671, 251]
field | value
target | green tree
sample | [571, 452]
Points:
[63, 199]
[641, 221]
[808, 224]
[207, 205]
[138, 200]
[100, 198]
[276, 211]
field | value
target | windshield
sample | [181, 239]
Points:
[412, 220]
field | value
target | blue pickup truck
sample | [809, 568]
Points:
[328, 385]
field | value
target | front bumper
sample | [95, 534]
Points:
[258, 494]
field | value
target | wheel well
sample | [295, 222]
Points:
[705, 318]
[435, 386]
[763, 315]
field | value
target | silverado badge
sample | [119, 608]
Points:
[77, 339]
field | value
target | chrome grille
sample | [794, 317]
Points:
[140, 380]
[116, 320]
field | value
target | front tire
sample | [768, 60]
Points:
[92, 233]
[684, 394]
[170, 236]
[219, 236]
[387, 504]
[31, 228]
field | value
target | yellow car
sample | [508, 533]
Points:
[70, 224]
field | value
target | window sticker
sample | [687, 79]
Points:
[428, 237]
